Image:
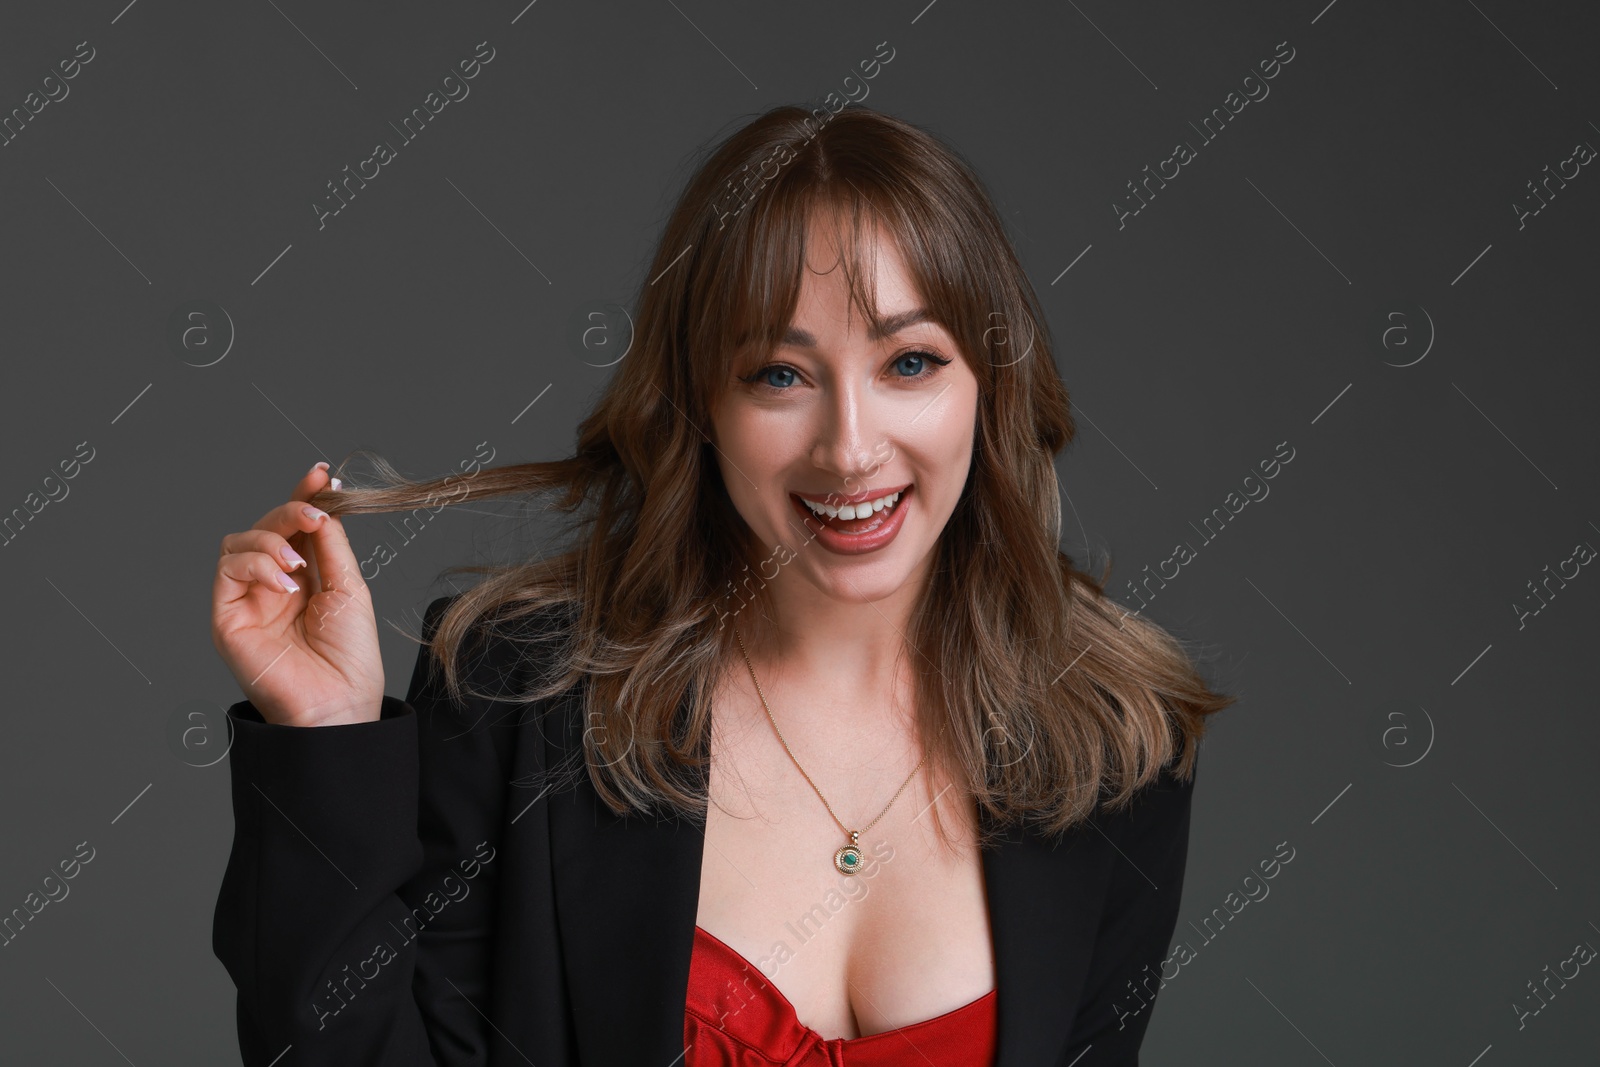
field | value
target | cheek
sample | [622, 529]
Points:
[764, 444]
[751, 460]
[751, 448]
[948, 441]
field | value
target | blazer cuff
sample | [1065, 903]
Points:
[346, 778]
[245, 712]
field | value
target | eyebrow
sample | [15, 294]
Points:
[892, 325]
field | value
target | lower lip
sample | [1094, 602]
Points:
[854, 544]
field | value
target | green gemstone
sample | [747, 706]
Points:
[849, 859]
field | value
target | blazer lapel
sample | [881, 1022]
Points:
[627, 894]
[1044, 901]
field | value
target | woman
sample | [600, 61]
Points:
[812, 748]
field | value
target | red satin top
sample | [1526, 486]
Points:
[735, 1017]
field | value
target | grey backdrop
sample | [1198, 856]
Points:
[1352, 268]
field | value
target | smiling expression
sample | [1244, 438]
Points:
[846, 418]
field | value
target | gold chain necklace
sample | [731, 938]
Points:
[847, 859]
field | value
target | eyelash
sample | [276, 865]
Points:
[937, 361]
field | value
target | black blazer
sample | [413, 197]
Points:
[393, 897]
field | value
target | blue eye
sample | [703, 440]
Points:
[775, 368]
[920, 357]
[761, 379]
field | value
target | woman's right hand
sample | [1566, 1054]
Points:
[309, 657]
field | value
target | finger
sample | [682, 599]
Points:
[316, 479]
[336, 564]
[289, 518]
[266, 541]
[238, 571]
[294, 523]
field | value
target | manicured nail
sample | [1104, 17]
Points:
[314, 513]
[321, 466]
[289, 585]
[291, 557]
[336, 483]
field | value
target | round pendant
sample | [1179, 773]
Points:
[847, 859]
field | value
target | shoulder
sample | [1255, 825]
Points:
[500, 656]
[499, 634]
[502, 623]
[1154, 823]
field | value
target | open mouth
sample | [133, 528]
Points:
[862, 518]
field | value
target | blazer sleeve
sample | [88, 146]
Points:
[356, 911]
[1136, 925]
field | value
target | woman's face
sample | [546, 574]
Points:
[839, 417]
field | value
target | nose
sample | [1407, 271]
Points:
[847, 436]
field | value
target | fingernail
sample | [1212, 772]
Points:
[314, 513]
[291, 557]
[336, 483]
[321, 466]
[289, 585]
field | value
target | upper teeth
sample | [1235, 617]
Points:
[853, 511]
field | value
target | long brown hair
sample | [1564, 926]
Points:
[1061, 699]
